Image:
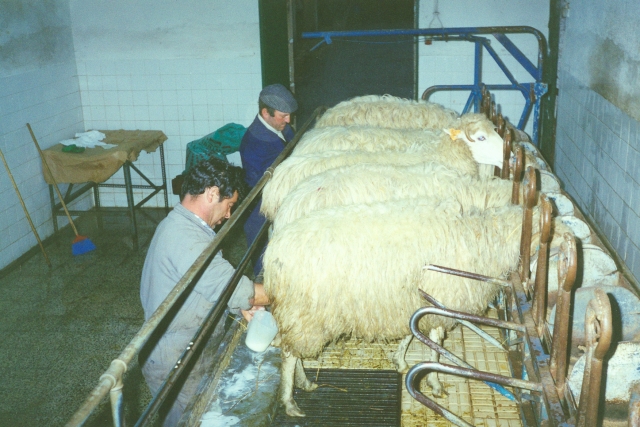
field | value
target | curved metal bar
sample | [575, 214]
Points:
[473, 88]
[140, 338]
[530, 202]
[517, 175]
[468, 275]
[421, 312]
[539, 305]
[414, 324]
[567, 269]
[424, 368]
[466, 323]
[506, 153]
[598, 329]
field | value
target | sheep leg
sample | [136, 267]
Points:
[436, 335]
[292, 373]
[398, 356]
[301, 379]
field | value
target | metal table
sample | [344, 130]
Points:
[96, 165]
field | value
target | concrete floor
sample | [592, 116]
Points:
[63, 326]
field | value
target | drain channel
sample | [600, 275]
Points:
[348, 397]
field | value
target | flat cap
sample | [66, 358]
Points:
[279, 98]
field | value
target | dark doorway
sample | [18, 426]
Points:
[352, 66]
[274, 48]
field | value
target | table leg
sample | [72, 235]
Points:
[96, 198]
[132, 210]
[54, 213]
[164, 178]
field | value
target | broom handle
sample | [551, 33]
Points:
[33, 228]
[55, 184]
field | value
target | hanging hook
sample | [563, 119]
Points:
[436, 17]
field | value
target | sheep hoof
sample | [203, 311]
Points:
[436, 387]
[309, 386]
[291, 409]
[401, 366]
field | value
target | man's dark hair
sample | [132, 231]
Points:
[214, 173]
[261, 105]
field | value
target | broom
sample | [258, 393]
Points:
[33, 228]
[81, 244]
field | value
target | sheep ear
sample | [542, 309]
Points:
[453, 133]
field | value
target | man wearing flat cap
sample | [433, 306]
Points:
[262, 143]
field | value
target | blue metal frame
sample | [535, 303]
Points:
[531, 91]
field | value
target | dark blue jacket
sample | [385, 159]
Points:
[258, 150]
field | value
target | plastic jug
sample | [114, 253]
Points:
[262, 330]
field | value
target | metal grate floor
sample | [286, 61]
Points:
[349, 397]
[474, 401]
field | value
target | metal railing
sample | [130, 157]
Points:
[111, 381]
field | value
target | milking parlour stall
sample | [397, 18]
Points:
[421, 266]
[421, 272]
[424, 268]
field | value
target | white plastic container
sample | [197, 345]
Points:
[262, 330]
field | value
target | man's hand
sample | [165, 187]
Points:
[248, 314]
[260, 297]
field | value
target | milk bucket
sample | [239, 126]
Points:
[262, 330]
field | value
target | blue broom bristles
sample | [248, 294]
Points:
[82, 245]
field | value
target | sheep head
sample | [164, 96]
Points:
[481, 137]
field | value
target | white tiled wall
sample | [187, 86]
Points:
[598, 162]
[186, 69]
[49, 99]
[452, 62]
[186, 99]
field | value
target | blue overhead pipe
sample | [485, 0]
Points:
[531, 92]
[445, 33]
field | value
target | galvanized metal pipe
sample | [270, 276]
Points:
[514, 326]
[414, 324]
[466, 323]
[539, 305]
[117, 403]
[148, 327]
[567, 269]
[598, 331]
[423, 368]
[468, 275]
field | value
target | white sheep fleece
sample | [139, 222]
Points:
[377, 252]
[387, 111]
[365, 138]
[454, 154]
[364, 183]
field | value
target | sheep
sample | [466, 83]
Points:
[473, 141]
[355, 271]
[387, 111]
[365, 183]
[296, 168]
[479, 133]
[366, 138]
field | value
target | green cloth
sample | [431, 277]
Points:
[223, 141]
